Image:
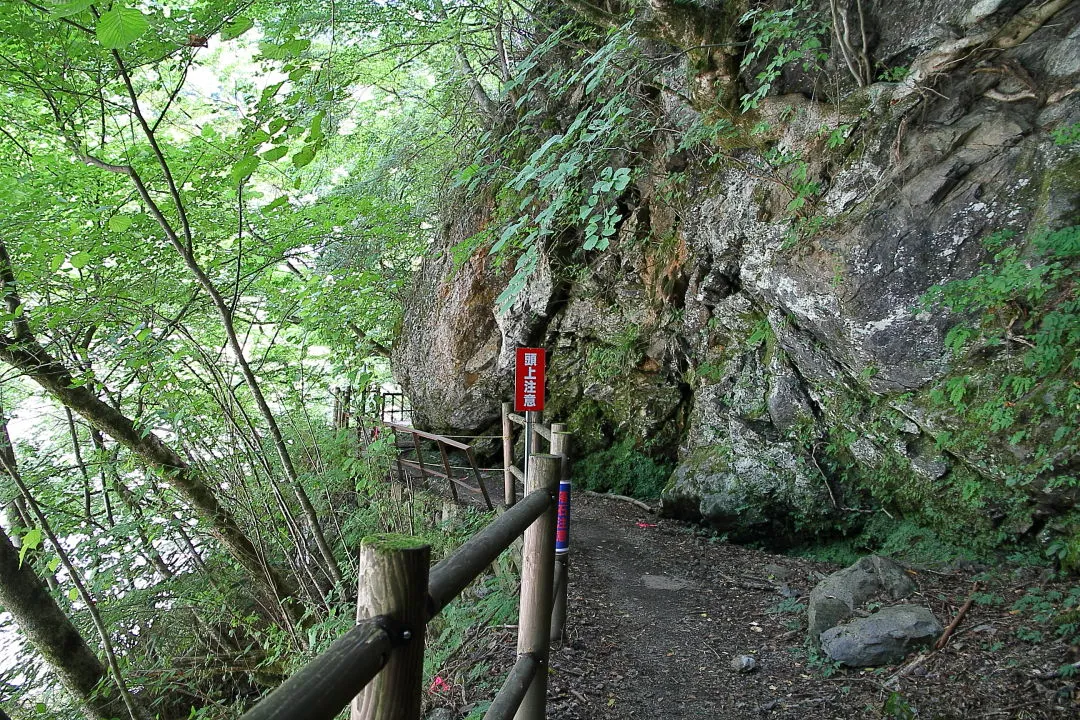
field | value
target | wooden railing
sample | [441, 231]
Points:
[559, 445]
[399, 595]
[445, 445]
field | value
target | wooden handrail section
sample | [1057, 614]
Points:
[539, 428]
[443, 443]
[454, 574]
[513, 690]
[426, 435]
[327, 684]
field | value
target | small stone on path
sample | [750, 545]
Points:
[743, 663]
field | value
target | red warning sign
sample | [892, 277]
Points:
[529, 380]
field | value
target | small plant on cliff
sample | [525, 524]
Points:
[608, 361]
[793, 35]
[1023, 310]
[563, 167]
[1067, 135]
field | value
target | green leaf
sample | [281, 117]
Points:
[304, 157]
[120, 27]
[120, 223]
[275, 153]
[30, 541]
[80, 260]
[280, 201]
[237, 27]
[258, 138]
[73, 594]
[53, 564]
[316, 132]
[72, 8]
[244, 168]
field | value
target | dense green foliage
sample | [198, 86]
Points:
[623, 469]
[211, 214]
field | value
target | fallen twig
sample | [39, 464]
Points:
[622, 498]
[908, 669]
[745, 584]
[944, 639]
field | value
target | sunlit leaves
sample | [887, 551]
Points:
[236, 27]
[70, 9]
[120, 26]
[80, 260]
[275, 153]
[304, 157]
[120, 223]
[31, 540]
[243, 168]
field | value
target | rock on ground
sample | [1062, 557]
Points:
[835, 598]
[884, 638]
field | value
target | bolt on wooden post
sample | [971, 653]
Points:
[393, 571]
[538, 553]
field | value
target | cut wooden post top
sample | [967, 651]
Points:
[392, 542]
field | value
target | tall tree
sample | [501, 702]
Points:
[24, 352]
[51, 632]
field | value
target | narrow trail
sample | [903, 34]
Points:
[654, 625]
[657, 612]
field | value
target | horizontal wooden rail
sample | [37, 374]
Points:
[513, 690]
[425, 468]
[454, 574]
[426, 435]
[437, 473]
[542, 430]
[324, 686]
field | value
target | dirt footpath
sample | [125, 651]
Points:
[658, 612]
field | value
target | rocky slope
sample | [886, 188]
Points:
[757, 318]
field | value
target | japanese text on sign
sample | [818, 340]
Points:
[529, 380]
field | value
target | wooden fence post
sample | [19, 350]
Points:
[560, 448]
[509, 486]
[538, 555]
[393, 571]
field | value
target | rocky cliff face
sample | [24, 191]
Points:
[778, 353]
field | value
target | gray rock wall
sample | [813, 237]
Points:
[745, 355]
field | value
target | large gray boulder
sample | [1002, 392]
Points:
[884, 638]
[834, 599]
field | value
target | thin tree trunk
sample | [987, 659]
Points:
[23, 594]
[25, 353]
[12, 470]
[74, 433]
